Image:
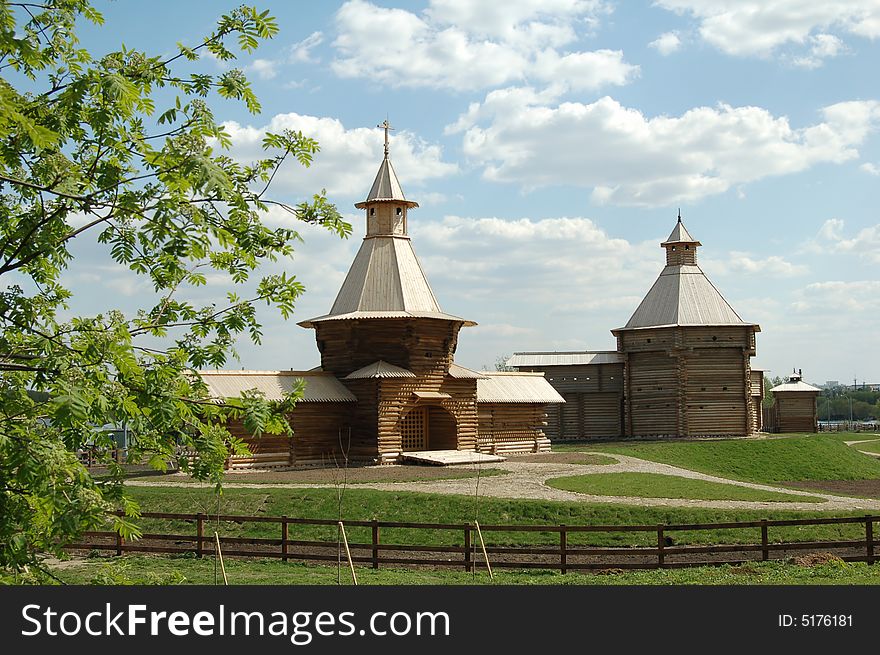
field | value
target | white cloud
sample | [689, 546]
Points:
[831, 238]
[348, 158]
[761, 27]
[870, 168]
[824, 47]
[464, 46]
[518, 136]
[265, 69]
[773, 266]
[302, 50]
[839, 298]
[666, 43]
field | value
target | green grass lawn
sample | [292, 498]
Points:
[654, 485]
[812, 457]
[868, 446]
[354, 475]
[176, 570]
[364, 504]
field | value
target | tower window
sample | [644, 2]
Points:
[399, 211]
[687, 247]
[372, 211]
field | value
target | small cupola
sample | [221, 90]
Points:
[386, 206]
[681, 247]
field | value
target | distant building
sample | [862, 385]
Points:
[682, 365]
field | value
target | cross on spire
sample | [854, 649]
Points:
[385, 124]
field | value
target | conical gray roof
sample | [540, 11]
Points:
[680, 235]
[683, 295]
[385, 280]
[386, 187]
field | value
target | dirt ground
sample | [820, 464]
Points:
[359, 475]
[563, 458]
[858, 488]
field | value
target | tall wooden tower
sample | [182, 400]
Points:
[687, 355]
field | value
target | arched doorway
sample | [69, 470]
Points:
[428, 427]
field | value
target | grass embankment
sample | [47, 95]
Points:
[655, 485]
[176, 570]
[769, 461]
[363, 504]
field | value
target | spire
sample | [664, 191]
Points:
[386, 187]
[386, 279]
[387, 127]
[680, 234]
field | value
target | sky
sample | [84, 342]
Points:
[550, 145]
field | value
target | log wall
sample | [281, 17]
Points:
[593, 396]
[421, 345]
[795, 411]
[510, 428]
[689, 381]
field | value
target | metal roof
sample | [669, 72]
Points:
[505, 387]
[431, 395]
[386, 187]
[319, 387]
[564, 358]
[380, 369]
[683, 295]
[385, 280]
[795, 386]
[460, 372]
[680, 235]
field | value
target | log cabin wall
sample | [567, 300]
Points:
[511, 428]
[688, 381]
[364, 445]
[796, 411]
[266, 450]
[419, 345]
[593, 396]
[321, 436]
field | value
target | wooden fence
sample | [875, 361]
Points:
[560, 555]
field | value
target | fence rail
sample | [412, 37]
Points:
[562, 555]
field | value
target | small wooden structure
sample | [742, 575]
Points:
[795, 406]
[388, 381]
[681, 368]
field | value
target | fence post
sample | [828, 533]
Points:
[869, 538]
[765, 550]
[467, 549]
[200, 533]
[660, 544]
[119, 542]
[284, 535]
[563, 548]
[375, 543]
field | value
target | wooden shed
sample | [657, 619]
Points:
[387, 348]
[687, 355]
[795, 406]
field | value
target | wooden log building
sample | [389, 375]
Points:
[681, 368]
[794, 406]
[388, 383]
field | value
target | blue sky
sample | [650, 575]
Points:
[550, 145]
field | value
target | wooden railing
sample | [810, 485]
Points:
[561, 555]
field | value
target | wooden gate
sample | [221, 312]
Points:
[414, 430]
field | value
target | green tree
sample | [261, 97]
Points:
[769, 383]
[86, 152]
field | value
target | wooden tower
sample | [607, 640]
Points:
[387, 340]
[687, 355]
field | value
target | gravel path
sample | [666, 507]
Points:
[526, 480]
